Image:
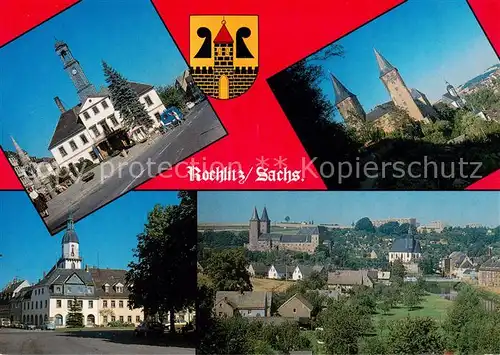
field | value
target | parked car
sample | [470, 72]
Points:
[88, 176]
[149, 329]
[48, 326]
[30, 326]
[190, 105]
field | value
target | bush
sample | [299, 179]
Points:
[118, 324]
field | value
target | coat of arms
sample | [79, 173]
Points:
[224, 54]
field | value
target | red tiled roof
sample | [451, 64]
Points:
[223, 37]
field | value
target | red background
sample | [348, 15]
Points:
[289, 30]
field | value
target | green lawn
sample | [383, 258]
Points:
[432, 306]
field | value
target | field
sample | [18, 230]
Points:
[432, 306]
[270, 285]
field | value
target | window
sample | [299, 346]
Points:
[84, 138]
[70, 302]
[95, 131]
[113, 318]
[119, 289]
[73, 145]
[120, 304]
[157, 115]
[46, 303]
[32, 305]
[36, 304]
[113, 120]
[113, 304]
[294, 310]
[93, 155]
[137, 319]
[95, 109]
[42, 291]
[105, 104]
[121, 319]
[58, 303]
[91, 304]
[129, 319]
[104, 304]
[58, 289]
[62, 151]
[106, 288]
[148, 100]
[86, 115]
[105, 319]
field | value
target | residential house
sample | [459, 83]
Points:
[489, 273]
[297, 307]
[302, 272]
[7, 294]
[280, 272]
[258, 269]
[384, 277]
[247, 304]
[344, 280]
[456, 264]
[112, 290]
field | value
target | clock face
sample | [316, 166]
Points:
[74, 71]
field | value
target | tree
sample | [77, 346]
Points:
[310, 114]
[365, 224]
[227, 270]
[398, 271]
[163, 279]
[75, 315]
[287, 219]
[125, 99]
[410, 296]
[415, 336]
[172, 96]
[389, 228]
[343, 325]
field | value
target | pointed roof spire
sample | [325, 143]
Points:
[223, 37]
[70, 234]
[341, 93]
[264, 217]
[383, 65]
[255, 215]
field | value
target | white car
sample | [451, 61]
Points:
[190, 105]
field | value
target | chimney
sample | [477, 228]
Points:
[59, 104]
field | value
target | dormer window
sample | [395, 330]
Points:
[106, 288]
[119, 288]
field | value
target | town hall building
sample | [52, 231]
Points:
[93, 129]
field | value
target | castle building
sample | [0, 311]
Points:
[306, 239]
[451, 97]
[93, 129]
[414, 102]
[223, 79]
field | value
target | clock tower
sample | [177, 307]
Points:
[72, 67]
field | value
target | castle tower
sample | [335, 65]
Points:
[265, 222]
[70, 258]
[23, 157]
[348, 105]
[254, 232]
[397, 88]
[72, 67]
[223, 61]
[453, 92]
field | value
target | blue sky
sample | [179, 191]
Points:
[128, 34]
[427, 40]
[111, 232]
[456, 208]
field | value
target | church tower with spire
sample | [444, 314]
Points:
[399, 92]
[73, 68]
[348, 104]
[265, 222]
[254, 232]
[70, 258]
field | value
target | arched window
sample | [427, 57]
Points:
[58, 320]
[46, 318]
[24, 319]
[40, 319]
[72, 250]
[31, 318]
[90, 320]
[73, 266]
